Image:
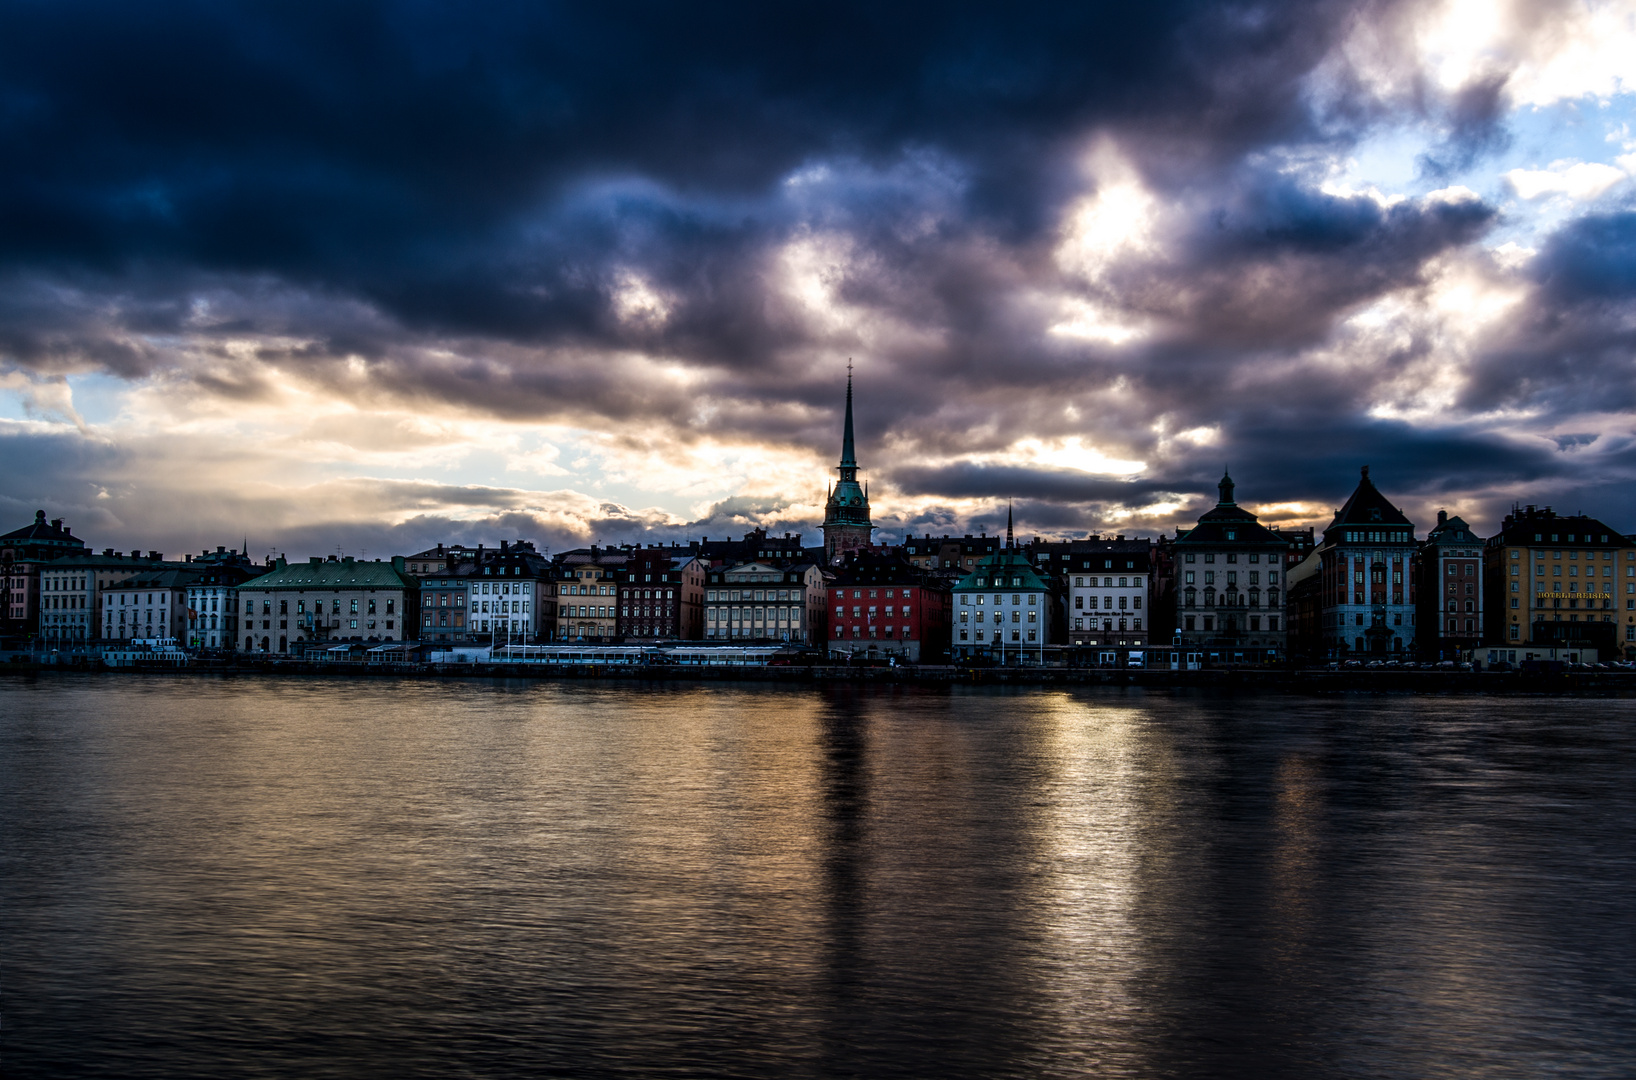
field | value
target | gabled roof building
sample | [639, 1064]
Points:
[1357, 588]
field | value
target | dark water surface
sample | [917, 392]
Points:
[269, 877]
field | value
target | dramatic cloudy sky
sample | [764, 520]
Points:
[369, 276]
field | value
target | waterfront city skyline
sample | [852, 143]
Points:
[376, 279]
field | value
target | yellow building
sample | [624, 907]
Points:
[1559, 588]
[587, 603]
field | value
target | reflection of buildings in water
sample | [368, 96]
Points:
[927, 884]
[843, 814]
[842, 821]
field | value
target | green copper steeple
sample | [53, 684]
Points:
[846, 516]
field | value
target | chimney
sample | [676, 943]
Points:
[440, 549]
[504, 545]
[1442, 517]
[188, 557]
[317, 560]
[67, 531]
[56, 523]
[107, 551]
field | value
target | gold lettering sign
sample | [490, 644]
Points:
[1573, 596]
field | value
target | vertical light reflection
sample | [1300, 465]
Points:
[1295, 870]
[1104, 779]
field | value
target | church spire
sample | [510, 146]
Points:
[1010, 539]
[847, 526]
[849, 458]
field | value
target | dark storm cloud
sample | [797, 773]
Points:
[1570, 347]
[1402, 457]
[1067, 485]
[1590, 260]
[1282, 259]
[396, 150]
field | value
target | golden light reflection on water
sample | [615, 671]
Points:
[1294, 863]
[1094, 804]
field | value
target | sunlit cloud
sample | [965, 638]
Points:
[1581, 181]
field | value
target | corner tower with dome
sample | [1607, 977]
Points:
[847, 527]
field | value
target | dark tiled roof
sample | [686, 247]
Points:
[40, 530]
[869, 568]
[1522, 528]
[160, 579]
[1229, 517]
[1453, 531]
[1368, 506]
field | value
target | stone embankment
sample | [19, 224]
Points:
[1305, 681]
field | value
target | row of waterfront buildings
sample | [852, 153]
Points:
[1227, 590]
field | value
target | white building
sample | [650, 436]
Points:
[151, 605]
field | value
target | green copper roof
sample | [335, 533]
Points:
[1005, 564]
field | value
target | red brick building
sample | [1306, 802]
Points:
[885, 606]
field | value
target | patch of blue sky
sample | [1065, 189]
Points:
[12, 406]
[1586, 130]
[1392, 159]
[99, 398]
